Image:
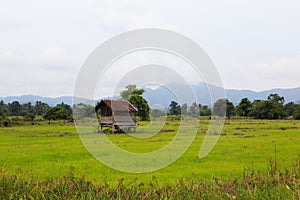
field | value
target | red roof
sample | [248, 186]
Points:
[119, 105]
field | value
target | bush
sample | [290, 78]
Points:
[297, 112]
[15, 119]
[5, 123]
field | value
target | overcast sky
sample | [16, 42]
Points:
[43, 43]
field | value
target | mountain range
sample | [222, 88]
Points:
[163, 96]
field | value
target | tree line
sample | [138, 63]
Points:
[273, 107]
[30, 111]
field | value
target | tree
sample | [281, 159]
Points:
[289, 108]
[230, 111]
[194, 110]
[223, 107]
[157, 113]
[131, 90]
[4, 108]
[84, 110]
[296, 113]
[244, 107]
[40, 108]
[66, 107]
[219, 108]
[267, 109]
[205, 111]
[55, 113]
[14, 108]
[184, 109]
[27, 108]
[142, 105]
[134, 96]
[174, 108]
[276, 98]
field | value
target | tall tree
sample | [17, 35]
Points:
[230, 110]
[27, 108]
[55, 113]
[219, 108]
[84, 110]
[15, 108]
[142, 105]
[296, 113]
[66, 107]
[205, 111]
[134, 96]
[223, 107]
[194, 110]
[40, 108]
[244, 107]
[276, 98]
[289, 108]
[131, 90]
[184, 109]
[174, 108]
[267, 109]
[4, 110]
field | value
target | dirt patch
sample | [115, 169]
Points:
[166, 130]
[239, 134]
[248, 136]
[60, 134]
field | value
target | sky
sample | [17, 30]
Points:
[43, 43]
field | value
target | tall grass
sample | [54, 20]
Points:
[273, 184]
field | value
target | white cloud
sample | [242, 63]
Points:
[280, 73]
[44, 43]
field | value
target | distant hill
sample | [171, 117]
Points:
[162, 96]
[49, 100]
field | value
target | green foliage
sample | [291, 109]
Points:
[229, 109]
[142, 105]
[40, 108]
[184, 109]
[219, 108]
[269, 109]
[84, 110]
[66, 107]
[131, 90]
[296, 113]
[244, 107]
[157, 113]
[205, 111]
[5, 123]
[194, 110]
[174, 108]
[223, 107]
[134, 96]
[29, 116]
[27, 109]
[289, 108]
[15, 108]
[276, 98]
[56, 113]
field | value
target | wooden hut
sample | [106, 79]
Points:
[117, 114]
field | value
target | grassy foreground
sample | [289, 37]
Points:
[253, 159]
[270, 186]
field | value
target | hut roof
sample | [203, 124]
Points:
[118, 105]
